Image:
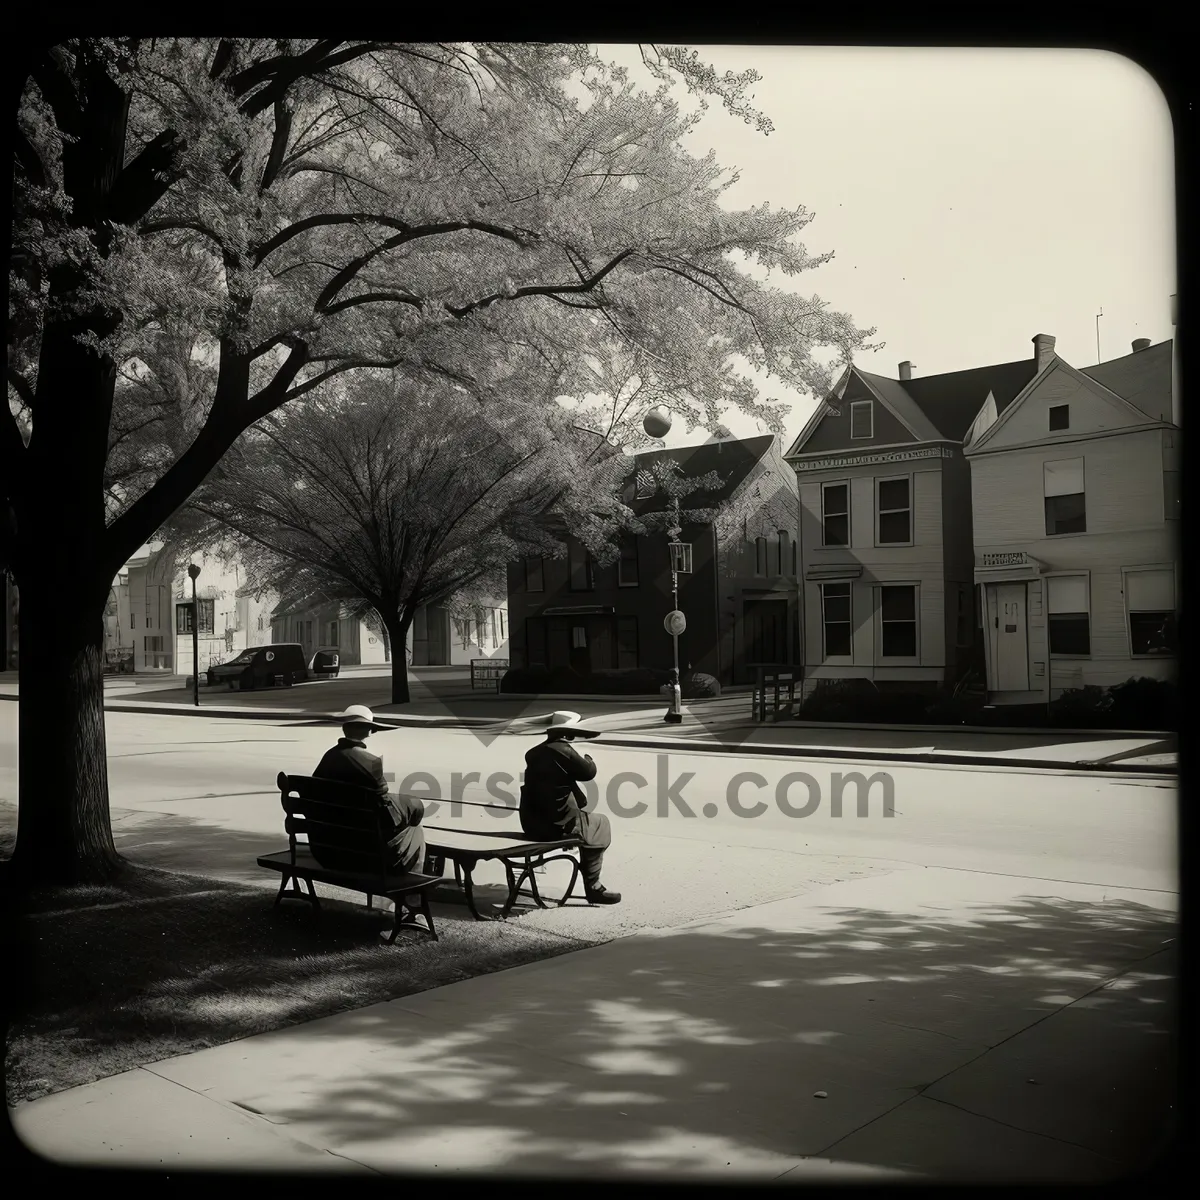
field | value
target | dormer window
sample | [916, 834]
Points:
[862, 419]
[1060, 417]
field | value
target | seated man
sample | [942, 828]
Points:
[554, 807]
[350, 762]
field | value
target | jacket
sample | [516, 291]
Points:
[551, 799]
[351, 762]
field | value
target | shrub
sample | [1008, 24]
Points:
[1145, 704]
[697, 685]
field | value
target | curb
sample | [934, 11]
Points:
[1102, 766]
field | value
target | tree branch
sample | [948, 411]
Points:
[21, 386]
[145, 180]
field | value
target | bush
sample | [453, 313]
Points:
[698, 686]
[1138, 703]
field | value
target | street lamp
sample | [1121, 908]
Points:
[675, 622]
[194, 574]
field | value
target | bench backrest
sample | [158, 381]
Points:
[347, 827]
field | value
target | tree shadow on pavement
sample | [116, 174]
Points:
[728, 1047]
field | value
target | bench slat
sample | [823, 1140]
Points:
[360, 881]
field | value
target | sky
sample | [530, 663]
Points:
[972, 198]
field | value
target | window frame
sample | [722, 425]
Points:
[826, 657]
[574, 548]
[541, 573]
[631, 545]
[1046, 500]
[898, 659]
[1069, 655]
[1171, 615]
[831, 483]
[870, 407]
[879, 512]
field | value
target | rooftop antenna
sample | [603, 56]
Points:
[1098, 316]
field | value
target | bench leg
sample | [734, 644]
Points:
[295, 893]
[402, 920]
[575, 871]
[468, 888]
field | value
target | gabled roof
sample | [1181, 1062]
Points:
[1143, 378]
[733, 459]
[952, 401]
[940, 407]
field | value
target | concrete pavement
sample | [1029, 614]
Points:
[914, 1024]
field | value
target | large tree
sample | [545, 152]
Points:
[206, 230]
[403, 496]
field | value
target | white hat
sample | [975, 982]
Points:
[360, 714]
[569, 722]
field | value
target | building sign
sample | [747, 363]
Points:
[1016, 558]
[871, 460]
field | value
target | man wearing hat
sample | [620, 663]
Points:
[351, 762]
[554, 807]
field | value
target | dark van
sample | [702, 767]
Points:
[262, 666]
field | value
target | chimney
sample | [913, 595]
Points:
[1141, 344]
[906, 370]
[1043, 350]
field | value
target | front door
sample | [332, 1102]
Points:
[1010, 638]
[437, 635]
[764, 633]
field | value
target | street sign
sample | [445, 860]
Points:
[681, 557]
[675, 623]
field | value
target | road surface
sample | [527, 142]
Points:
[218, 775]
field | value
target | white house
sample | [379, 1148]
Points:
[1075, 496]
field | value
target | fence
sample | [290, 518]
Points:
[774, 692]
[487, 673]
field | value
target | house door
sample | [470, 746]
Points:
[764, 633]
[1009, 637]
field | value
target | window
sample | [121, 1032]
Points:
[183, 618]
[895, 512]
[795, 559]
[580, 566]
[154, 645]
[646, 485]
[149, 622]
[627, 648]
[627, 564]
[1060, 417]
[898, 618]
[534, 581]
[760, 556]
[260, 624]
[1067, 614]
[333, 633]
[962, 625]
[862, 419]
[835, 619]
[1150, 603]
[835, 514]
[785, 552]
[1062, 485]
[1171, 496]
[132, 621]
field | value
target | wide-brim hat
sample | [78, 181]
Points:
[558, 723]
[360, 714]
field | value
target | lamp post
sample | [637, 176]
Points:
[194, 574]
[675, 622]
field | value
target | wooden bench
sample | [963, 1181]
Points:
[347, 826]
[519, 855]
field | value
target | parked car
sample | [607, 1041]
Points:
[324, 665]
[262, 666]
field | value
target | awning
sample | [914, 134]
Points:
[831, 572]
[1007, 566]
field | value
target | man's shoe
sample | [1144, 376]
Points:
[602, 895]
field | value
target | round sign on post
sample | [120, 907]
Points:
[675, 623]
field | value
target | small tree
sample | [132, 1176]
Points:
[397, 497]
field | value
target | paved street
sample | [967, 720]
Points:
[978, 986]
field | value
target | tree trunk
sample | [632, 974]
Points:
[64, 831]
[397, 635]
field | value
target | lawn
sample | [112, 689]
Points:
[161, 964]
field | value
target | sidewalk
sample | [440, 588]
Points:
[708, 726]
[920, 1024]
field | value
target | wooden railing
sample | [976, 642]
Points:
[774, 693]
